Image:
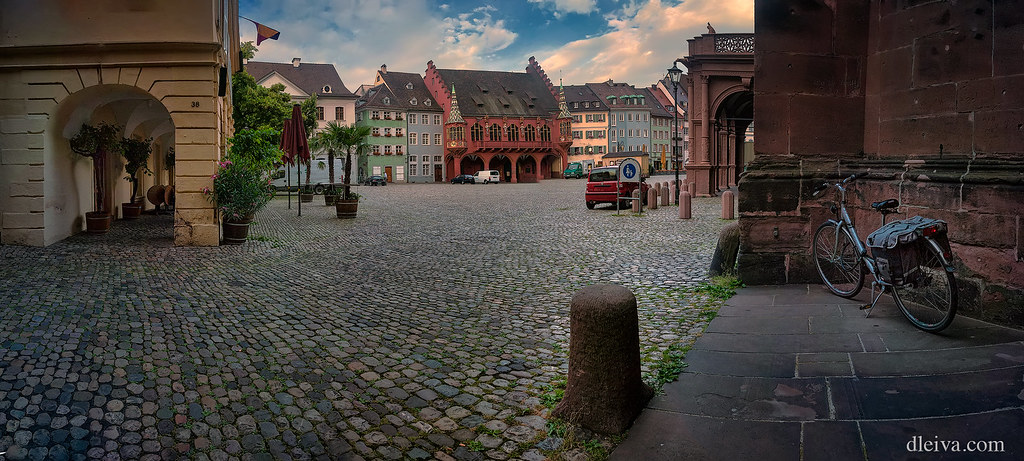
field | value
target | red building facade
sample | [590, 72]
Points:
[513, 122]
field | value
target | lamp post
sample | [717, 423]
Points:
[674, 73]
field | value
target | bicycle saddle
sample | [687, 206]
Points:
[886, 206]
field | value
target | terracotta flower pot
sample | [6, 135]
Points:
[346, 209]
[236, 230]
[131, 210]
[97, 222]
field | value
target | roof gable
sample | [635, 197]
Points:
[495, 93]
[322, 79]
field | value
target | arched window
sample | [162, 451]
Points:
[529, 133]
[456, 133]
[565, 129]
[512, 133]
[477, 132]
[494, 132]
[545, 134]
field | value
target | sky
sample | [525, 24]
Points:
[579, 41]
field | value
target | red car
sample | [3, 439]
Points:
[601, 187]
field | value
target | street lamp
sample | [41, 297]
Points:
[674, 73]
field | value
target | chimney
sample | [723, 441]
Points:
[383, 68]
[295, 62]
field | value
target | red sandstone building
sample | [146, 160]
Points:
[513, 122]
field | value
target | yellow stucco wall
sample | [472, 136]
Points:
[122, 61]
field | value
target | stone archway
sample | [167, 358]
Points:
[526, 169]
[470, 164]
[504, 165]
[550, 167]
[721, 67]
[69, 178]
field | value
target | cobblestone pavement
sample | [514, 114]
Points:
[425, 328]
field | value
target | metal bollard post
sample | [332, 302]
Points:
[684, 205]
[604, 392]
[728, 205]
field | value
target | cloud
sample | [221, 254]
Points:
[644, 39]
[561, 7]
[471, 36]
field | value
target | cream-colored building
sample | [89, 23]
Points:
[159, 69]
[301, 80]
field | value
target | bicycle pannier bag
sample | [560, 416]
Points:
[897, 248]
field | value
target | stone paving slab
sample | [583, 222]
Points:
[428, 327]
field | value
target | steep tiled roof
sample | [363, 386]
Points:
[493, 93]
[310, 77]
[583, 94]
[404, 88]
[620, 91]
[656, 104]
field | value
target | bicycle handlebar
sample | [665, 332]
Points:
[823, 186]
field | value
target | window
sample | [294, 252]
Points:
[387, 132]
[646, 116]
[387, 101]
[622, 117]
[426, 103]
[494, 132]
[375, 115]
[456, 133]
[529, 133]
[437, 120]
[359, 116]
[629, 117]
[579, 134]
[412, 169]
[412, 158]
[576, 118]
[387, 149]
[476, 132]
[376, 131]
[613, 135]
[586, 104]
[339, 113]
[645, 135]
[512, 133]
[387, 113]
[545, 134]
[437, 139]
[412, 119]
[426, 139]
[408, 86]
[425, 119]
[398, 150]
[413, 139]
[622, 132]
[413, 101]
[319, 112]
[437, 159]
[376, 149]
[398, 131]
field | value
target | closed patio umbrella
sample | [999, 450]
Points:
[295, 146]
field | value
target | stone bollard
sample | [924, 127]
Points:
[652, 198]
[684, 205]
[604, 392]
[692, 188]
[728, 205]
[636, 203]
[672, 194]
[664, 195]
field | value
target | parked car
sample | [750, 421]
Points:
[601, 188]
[464, 179]
[487, 176]
[375, 180]
[575, 170]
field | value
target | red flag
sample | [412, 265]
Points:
[263, 32]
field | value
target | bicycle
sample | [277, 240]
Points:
[910, 258]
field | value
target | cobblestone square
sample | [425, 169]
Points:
[428, 327]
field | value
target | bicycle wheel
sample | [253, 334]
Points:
[929, 300]
[837, 260]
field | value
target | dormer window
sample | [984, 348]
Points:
[387, 100]
[327, 89]
[408, 86]
[413, 101]
[426, 103]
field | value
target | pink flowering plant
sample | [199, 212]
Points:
[241, 185]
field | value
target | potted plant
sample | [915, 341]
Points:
[353, 138]
[97, 142]
[136, 155]
[240, 183]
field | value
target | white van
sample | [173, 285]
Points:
[486, 176]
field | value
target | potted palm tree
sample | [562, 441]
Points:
[330, 139]
[353, 139]
[97, 142]
[240, 183]
[136, 155]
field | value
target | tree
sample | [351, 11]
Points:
[309, 122]
[97, 142]
[136, 154]
[330, 139]
[249, 50]
[256, 106]
[354, 141]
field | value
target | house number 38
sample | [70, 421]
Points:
[195, 103]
